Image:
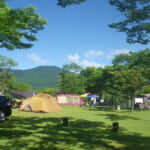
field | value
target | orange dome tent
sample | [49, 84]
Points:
[40, 103]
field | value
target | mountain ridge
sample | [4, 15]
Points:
[38, 77]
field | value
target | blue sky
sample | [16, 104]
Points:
[78, 33]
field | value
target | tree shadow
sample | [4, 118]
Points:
[115, 117]
[34, 133]
[108, 108]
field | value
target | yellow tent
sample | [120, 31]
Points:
[40, 103]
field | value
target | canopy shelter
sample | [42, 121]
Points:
[91, 96]
[85, 95]
[41, 103]
[21, 94]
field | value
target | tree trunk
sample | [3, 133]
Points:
[133, 101]
[3, 86]
[112, 101]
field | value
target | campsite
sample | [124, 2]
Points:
[74, 75]
[88, 129]
[39, 124]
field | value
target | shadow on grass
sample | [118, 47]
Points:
[115, 117]
[108, 108]
[34, 133]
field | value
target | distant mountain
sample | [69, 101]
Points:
[39, 77]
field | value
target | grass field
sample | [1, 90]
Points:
[88, 129]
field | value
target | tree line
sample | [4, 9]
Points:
[128, 77]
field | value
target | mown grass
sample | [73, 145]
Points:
[88, 129]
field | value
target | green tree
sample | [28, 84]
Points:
[136, 23]
[134, 59]
[21, 87]
[110, 81]
[122, 59]
[70, 80]
[19, 25]
[6, 82]
[51, 91]
[146, 89]
[93, 80]
[5, 77]
[129, 81]
[140, 58]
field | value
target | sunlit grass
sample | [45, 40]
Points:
[88, 129]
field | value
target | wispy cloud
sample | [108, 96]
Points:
[93, 53]
[86, 63]
[117, 52]
[36, 59]
[73, 58]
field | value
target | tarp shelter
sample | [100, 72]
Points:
[91, 96]
[68, 99]
[21, 94]
[85, 95]
[41, 103]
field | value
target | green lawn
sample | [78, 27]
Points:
[88, 129]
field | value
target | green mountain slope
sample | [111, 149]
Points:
[39, 77]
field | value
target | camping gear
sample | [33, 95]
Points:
[85, 95]
[90, 96]
[144, 105]
[40, 103]
[16, 102]
[68, 99]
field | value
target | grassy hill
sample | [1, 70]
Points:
[39, 77]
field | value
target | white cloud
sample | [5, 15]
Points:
[117, 52]
[93, 53]
[36, 59]
[73, 58]
[86, 63]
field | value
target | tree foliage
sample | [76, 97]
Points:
[19, 25]
[122, 59]
[93, 79]
[5, 77]
[136, 13]
[146, 89]
[140, 58]
[134, 75]
[109, 80]
[136, 23]
[129, 81]
[64, 3]
[50, 91]
[21, 87]
[70, 80]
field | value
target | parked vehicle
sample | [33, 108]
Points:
[5, 108]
